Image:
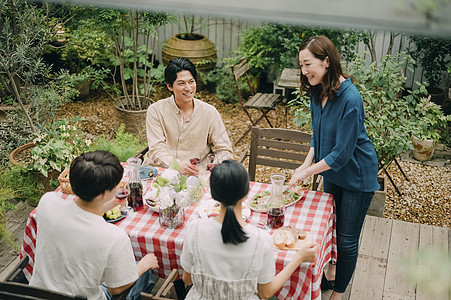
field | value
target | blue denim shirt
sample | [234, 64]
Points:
[340, 138]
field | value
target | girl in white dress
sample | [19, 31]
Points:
[226, 258]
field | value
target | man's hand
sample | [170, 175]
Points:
[148, 262]
[186, 168]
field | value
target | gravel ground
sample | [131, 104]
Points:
[425, 197]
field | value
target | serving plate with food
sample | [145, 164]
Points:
[290, 238]
[259, 202]
[211, 208]
[114, 215]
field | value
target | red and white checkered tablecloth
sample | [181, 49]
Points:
[313, 213]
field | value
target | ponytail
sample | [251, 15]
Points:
[231, 231]
[229, 183]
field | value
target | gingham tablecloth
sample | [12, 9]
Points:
[313, 213]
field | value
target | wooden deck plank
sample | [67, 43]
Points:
[376, 237]
[403, 242]
[430, 237]
[372, 262]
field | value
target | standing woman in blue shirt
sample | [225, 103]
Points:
[344, 154]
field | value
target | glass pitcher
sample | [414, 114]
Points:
[276, 206]
[136, 188]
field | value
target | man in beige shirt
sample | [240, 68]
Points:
[183, 127]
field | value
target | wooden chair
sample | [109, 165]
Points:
[264, 102]
[281, 148]
[17, 274]
[14, 290]
[16, 287]
[142, 153]
[166, 291]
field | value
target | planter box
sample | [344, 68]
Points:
[377, 204]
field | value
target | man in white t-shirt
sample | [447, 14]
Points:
[77, 252]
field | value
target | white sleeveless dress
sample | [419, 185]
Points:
[207, 287]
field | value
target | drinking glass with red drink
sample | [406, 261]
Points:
[210, 161]
[122, 194]
[194, 160]
[276, 206]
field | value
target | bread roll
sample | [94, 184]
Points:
[302, 235]
[279, 239]
[290, 238]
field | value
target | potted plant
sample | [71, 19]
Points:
[432, 54]
[194, 46]
[134, 61]
[429, 118]
[52, 150]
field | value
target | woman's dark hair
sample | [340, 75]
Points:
[93, 173]
[229, 183]
[321, 47]
[178, 65]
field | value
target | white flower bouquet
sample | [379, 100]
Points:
[173, 189]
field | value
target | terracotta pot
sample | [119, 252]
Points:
[423, 150]
[134, 120]
[14, 158]
[201, 52]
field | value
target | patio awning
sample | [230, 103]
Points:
[414, 16]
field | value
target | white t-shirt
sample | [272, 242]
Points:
[228, 261]
[77, 250]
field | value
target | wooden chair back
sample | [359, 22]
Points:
[17, 274]
[280, 148]
[238, 71]
[166, 291]
[264, 102]
[14, 290]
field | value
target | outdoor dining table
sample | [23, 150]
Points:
[313, 213]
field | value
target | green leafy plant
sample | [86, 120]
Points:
[16, 184]
[125, 28]
[429, 121]
[388, 114]
[273, 47]
[124, 145]
[23, 37]
[300, 106]
[221, 82]
[432, 54]
[57, 145]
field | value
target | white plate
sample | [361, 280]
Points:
[206, 207]
[266, 197]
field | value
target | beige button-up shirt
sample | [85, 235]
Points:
[169, 136]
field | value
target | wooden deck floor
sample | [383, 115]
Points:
[384, 243]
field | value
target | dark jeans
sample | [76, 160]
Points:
[145, 283]
[351, 207]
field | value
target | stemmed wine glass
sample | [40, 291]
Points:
[211, 161]
[122, 194]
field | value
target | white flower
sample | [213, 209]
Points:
[167, 194]
[171, 175]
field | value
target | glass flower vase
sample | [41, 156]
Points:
[172, 217]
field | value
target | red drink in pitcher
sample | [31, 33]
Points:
[136, 195]
[276, 217]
